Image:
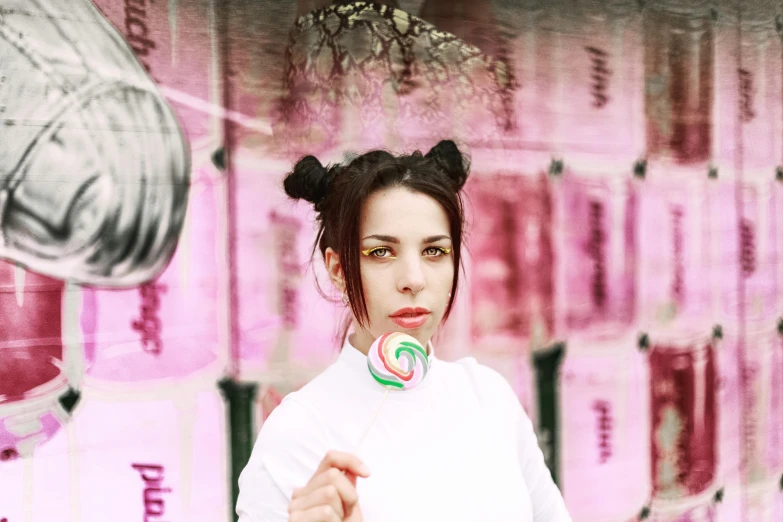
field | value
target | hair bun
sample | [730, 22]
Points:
[448, 157]
[309, 180]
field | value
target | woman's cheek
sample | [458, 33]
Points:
[444, 273]
[377, 289]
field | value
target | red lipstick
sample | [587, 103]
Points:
[410, 318]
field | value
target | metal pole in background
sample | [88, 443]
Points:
[239, 396]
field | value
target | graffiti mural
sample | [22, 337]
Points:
[95, 174]
[625, 247]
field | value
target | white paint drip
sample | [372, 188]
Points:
[74, 364]
[173, 9]
[186, 412]
[19, 277]
[256, 124]
[73, 471]
[28, 488]
[186, 238]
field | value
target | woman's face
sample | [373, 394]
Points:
[407, 266]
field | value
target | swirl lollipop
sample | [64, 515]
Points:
[398, 362]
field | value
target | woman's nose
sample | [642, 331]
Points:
[411, 277]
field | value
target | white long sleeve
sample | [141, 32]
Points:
[287, 451]
[260, 499]
[458, 447]
[495, 393]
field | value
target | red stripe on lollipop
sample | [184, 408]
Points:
[404, 376]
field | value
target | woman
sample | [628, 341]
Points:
[457, 447]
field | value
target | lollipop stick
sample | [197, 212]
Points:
[367, 429]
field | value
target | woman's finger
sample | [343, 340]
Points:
[344, 462]
[333, 476]
[315, 514]
[331, 492]
[326, 495]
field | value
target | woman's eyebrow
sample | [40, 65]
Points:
[434, 239]
[396, 241]
[385, 239]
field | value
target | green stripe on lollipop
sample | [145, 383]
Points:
[404, 349]
[385, 382]
[414, 346]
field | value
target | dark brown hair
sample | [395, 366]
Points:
[338, 193]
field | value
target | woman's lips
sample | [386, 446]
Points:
[411, 320]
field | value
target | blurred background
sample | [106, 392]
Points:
[625, 244]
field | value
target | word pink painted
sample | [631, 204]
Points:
[747, 255]
[596, 249]
[774, 444]
[137, 30]
[678, 281]
[672, 260]
[751, 438]
[149, 324]
[597, 261]
[603, 390]
[746, 95]
[749, 246]
[287, 230]
[154, 504]
[600, 74]
[603, 412]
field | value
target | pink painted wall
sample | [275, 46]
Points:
[623, 202]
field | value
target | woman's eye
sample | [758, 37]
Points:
[377, 252]
[386, 253]
[437, 251]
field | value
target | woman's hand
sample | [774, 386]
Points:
[330, 495]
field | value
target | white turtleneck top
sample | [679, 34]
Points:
[457, 447]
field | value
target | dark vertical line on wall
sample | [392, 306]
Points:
[738, 180]
[222, 24]
[240, 397]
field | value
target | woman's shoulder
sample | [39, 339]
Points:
[488, 384]
[302, 407]
[289, 445]
[470, 367]
[307, 408]
[292, 416]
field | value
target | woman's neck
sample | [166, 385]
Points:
[361, 339]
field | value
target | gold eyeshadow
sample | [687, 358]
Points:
[369, 251]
